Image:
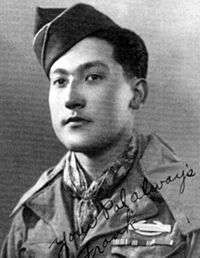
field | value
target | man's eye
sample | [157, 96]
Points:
[93, 77]
[59, 82]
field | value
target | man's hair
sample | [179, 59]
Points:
[129, 51]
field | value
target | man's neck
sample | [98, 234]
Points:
[94, 165]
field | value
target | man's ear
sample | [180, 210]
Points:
[140, 91]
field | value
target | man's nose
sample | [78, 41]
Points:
[73, 98]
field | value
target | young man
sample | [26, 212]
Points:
[115, 193]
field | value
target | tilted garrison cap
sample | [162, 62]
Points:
[58, 29]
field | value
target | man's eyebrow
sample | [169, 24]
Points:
[83, 67]
[60, 71]
[89, 65]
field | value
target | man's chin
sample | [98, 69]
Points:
[86, 146]
[78, 145]
[90, 145]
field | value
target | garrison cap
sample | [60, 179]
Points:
[58, 29]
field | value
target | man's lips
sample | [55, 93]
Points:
[75, 119]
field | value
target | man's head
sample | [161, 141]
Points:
[95, 84]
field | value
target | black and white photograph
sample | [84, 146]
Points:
[100, 129]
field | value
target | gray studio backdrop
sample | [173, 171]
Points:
[27, 142]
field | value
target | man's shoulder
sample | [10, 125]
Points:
[47, 178]
[175, 179]
[156, 152]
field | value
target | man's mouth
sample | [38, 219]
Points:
[75, 121]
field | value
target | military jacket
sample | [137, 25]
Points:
[133, 223]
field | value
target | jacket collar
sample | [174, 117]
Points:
[45, 179]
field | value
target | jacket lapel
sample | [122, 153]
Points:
[54, 205]
[44, 180]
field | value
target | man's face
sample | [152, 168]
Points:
[89, 97]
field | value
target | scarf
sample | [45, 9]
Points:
[90, 195]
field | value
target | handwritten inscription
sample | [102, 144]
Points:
[62, 246]
[181, 177]
[92, 252]
[122, 204]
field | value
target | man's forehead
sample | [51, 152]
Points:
[62, 69]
